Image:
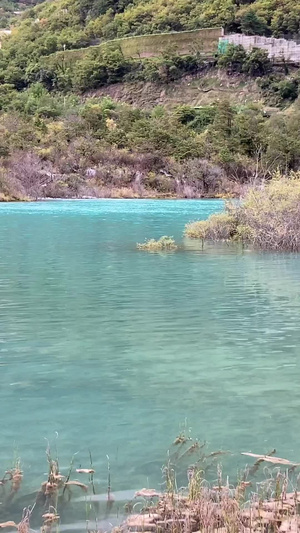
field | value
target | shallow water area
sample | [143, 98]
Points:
[110, 349]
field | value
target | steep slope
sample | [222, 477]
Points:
[200, 90]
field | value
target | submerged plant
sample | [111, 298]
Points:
[165, 243]
[13, 478]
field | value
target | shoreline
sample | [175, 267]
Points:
[93, 198]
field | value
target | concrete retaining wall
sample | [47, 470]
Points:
[185, 42]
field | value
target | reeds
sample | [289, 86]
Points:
[248, 506]
[264, 499]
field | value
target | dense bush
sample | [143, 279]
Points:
[257, 63]
[268, 217]
[233, 58]
[236, 59]
[270, 214]
[278, 89]
[219, 227]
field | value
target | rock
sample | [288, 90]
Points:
[291, 525]
[147, 493]
[140, 522]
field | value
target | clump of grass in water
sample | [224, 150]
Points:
[164, 244]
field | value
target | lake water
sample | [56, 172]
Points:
[112, 350]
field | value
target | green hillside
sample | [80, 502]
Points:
[10, 10]
[232, 117]
[59, 24]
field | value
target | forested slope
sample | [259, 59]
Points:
[59, 138]
[10, 10]
[53, 25]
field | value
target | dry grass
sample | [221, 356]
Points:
[164, 244]
[265, 498]
[219, 509]
[249, 506]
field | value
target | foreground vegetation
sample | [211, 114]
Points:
[268, 217]
[265, 498]
[222, 508]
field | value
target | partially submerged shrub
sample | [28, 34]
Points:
[165, 243]
[268, 217]
[272, 214]
[218, 227]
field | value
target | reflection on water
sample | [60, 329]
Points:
[114, 348]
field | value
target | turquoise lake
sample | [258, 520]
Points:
[110, 349]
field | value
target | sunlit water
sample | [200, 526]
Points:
[112, 350]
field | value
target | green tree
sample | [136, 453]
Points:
[233, 59]
[257, 63]
[251, 24]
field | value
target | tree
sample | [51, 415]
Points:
[251, 24]
[257, 63]
[233, 59]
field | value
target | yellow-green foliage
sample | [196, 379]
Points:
[163, 244]
[58, 25]
[218, 227]
[268, 217]
[196, 230]
[272, 214]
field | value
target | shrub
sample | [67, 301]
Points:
[233, 59]
[236, 59]
[164, 244]
[218, 227]
[278, 90]
[268, 217]
[288, 89]
[272, 214]
[257, 63]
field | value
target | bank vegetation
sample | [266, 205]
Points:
[195, 495]
[267, 217]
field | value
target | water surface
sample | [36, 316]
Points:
[112, 349]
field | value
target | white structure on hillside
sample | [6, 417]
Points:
[276, 48]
